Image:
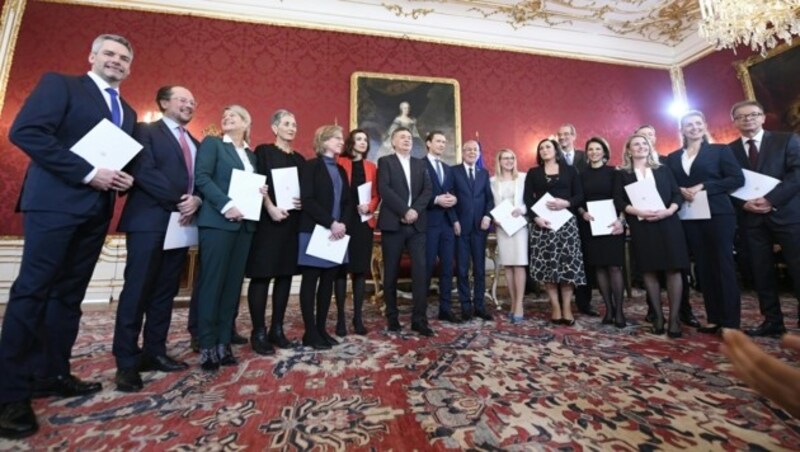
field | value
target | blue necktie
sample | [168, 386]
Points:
[116, 113]
[439, 172]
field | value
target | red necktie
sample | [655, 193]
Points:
[752, 153]
[187, 157]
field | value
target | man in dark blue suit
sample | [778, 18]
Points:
[164, 173]
[474, 193]
[773, 218]
[441, 241]
[67, 205]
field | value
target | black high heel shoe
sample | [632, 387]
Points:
[658, 327]
[568, 322]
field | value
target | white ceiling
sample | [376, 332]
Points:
[657, 33]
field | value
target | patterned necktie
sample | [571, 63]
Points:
[187, 157]
[439, 171]
[116, 113]
[752, 153]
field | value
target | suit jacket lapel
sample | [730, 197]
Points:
[399, 167]
[96, 95]
[176, 147]
[766, 141]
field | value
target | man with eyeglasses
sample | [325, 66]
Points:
[773, 218]
[164, 174]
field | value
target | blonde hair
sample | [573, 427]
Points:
[245, 115]
[689, 114]
[323, 134]
[627, 161]
[498, 171]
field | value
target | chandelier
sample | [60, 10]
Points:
[759, 24]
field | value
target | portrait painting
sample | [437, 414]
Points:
[773, 81]
[380, 103]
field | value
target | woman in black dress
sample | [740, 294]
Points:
[273, 254]
[555, 258]
[326, 202]
[604, 253]
[359, 171]
[656, 235]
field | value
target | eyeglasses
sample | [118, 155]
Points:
[186, 101]
[747, 116]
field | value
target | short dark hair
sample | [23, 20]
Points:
[350, 142]
[433, 133]
[603, 144]
[398, 130]
[746, 103]
[559, 152]
[163, 93]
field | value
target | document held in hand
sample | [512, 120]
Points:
[179, 236]
[557, 218]
[756, 185]
[107, 146]
[245, 194]
[644, 196]
[365, 197]
[323, 247]
[697, 209]
[502, 214]
[604, 214]
[286, 184]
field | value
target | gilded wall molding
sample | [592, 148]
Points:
[10, 22]
[678, 84]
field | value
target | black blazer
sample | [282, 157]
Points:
[160, 179]
[438, 215]
[778, 157]
[716, 168]
[579, 161]
[394, 190]
[316, 193]
[567, 187]
[665, 184]
[58, 113]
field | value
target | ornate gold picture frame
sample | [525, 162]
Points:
[379, 103]
[773, 81]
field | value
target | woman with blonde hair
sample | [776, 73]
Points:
[509, 184]
[657, 238]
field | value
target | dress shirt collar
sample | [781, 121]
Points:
[227, 139]
[757, 138]
[102, 84]
[433, 159]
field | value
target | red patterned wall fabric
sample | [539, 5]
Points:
[512, 99]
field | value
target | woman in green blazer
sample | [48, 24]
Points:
[224, 236]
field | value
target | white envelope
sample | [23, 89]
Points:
[179, 236]
[697, 209]
[286, 184]
[365, 197]
[604, 214]
[244, 191]
[557, 218]
[502, 214]
[756, 185]
[323, 247]
[107, 146]
[644, 196]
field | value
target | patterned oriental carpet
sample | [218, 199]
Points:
[476, 386]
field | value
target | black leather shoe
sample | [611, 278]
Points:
[650, 317]
[590, 312]
[194, 343]
[395, 326]
[690, 320]
[423, 330]
[674, 334]
[162, 363]
[466, 315]
[278, 339]
[17, 420]
[328, 338]
[341, 328]
[568, 322]
[225, 355]
[447, 316]
[208, 359]
[237, 339]
[484, 315]
[713, 329]
[128, 380]
[359, 328]
[64, 386]
[260, 344]
[767, 329]
[316, 342]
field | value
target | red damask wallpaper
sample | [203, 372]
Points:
[512, 99]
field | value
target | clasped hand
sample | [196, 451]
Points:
[107, 179]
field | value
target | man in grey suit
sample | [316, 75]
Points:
[773, 218]
[405, 189]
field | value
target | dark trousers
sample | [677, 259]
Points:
[223, 256]
[392, 244]
[191, 321]
[760, 240]
[152, 277]
[472, 248]
[441, 243]
[711, 242]
[44, 306]
[316, 285]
